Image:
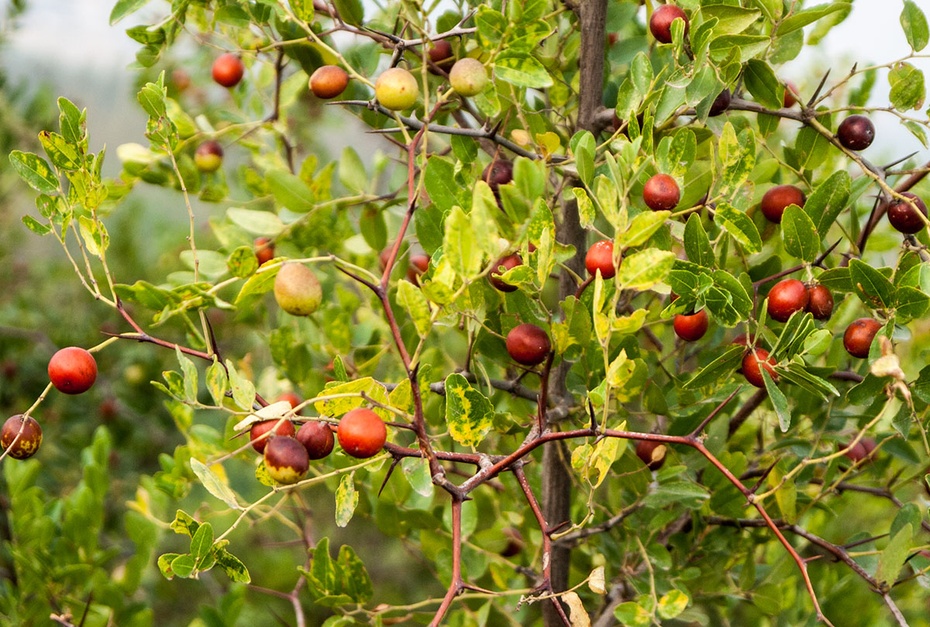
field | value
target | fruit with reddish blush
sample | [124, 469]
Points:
[72, 370]
[397, 89]
[786, 297]
[361, 433]
[440, 57]
[209, 156]
[661, 192]
[264, 249]
[660, 24]
[753, 363]
[286, 460]
[515, 542]
[789, 100]
[856, 132]
[297, 290]
[328, 81]
[259, 429]
[820, 301]
[498, 172]
[468, 77]
[902, 215]
[317, 438]
[651, 453]
[419, 263]
[527, 344]
[691, 327]
[857, 340]
[721, 103]
[228, 69]
[292, 398]
[600, 257]
[29, 437]
[776, 200]
[508, 262]
[861, 451]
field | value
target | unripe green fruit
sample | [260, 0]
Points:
[29, 440]
[286, 460]
[468, 77]
[297, 290]
[396, 89]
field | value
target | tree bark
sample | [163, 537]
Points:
[556, 474]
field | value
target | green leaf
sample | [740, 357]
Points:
[907, 87]
[183, 566]
[643, 269]
[352, 171]
[202, 542]
[800, 19]
[346, 499]
[679, 493]
[871, 286]
[62, 153]
[439, 179]
[35, 171]
[290, 191]
[491, 25]
[762, 83]
[232, 566]
[779, 401]
[256, 222]
[724, 365]
[214, 485]
[417, 307]
[672, 604]
[697, 244]
[892, 558]
[521, 70]
[583, 146]
[641, 228]
[727, 299]
[35, 226]
[730, 19]
[366, 386]
[737, 155]
[469, 414]
[914, 23]
[243, 390]
[124, 8]
[910, 304]
[164, 564]
[354, 578]
[739, 226]
[586, 212]
[828, 200]
[350, 11]
[459, 244]
[799, 234]
[95, 236]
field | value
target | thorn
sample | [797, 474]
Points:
[823, 81]
[396, 460]
[894, 163]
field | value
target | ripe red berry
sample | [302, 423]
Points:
[264, 249]
[786, 297]
[317, 438]
[661, 192]
[209, 156]
[228, 69]
[856, 132]
[292, 398]
[259, 429]
[857, 340]
[601, 257]
[721, 103]
[419, 263]
[691, 327]
[527, 344]
[286, 460]
[361, 433]
[72, 370]
[508, 263]
[777, 198]
[660, 24]
[328, 81]
[903, 217]
[789, 100]
[498, 172]
[440, 57]
[753, 363]
[651, 453]
[29, 433]
[820, 301]
[861, 451]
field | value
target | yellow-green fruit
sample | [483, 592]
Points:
[396, 89]
[297, 290]
[468, 77]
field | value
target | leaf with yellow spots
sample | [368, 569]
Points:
[468, 413]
